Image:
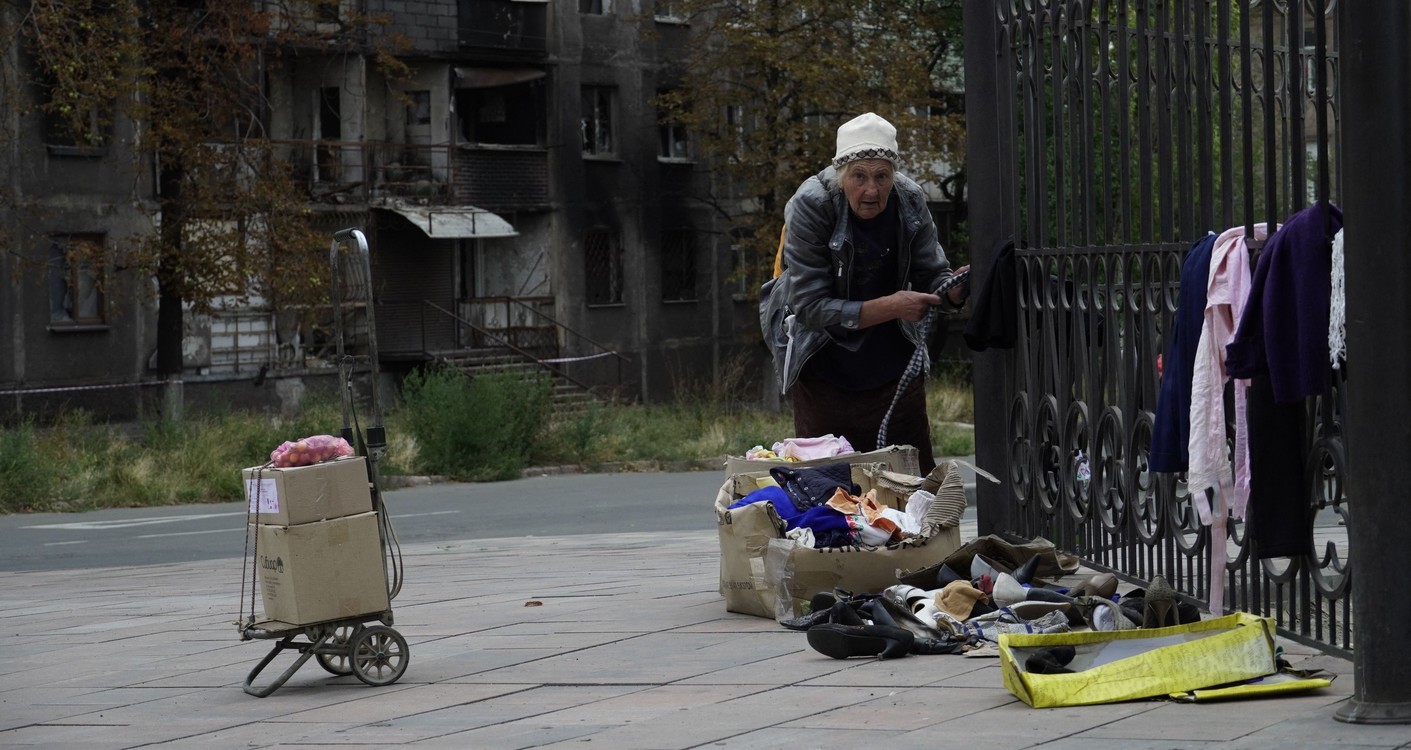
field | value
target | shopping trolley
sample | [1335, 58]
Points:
[363, 645]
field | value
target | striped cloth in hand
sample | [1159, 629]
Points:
[917, 365]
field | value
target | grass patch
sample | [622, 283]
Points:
[488, 428]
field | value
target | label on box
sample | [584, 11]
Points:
[265, 493]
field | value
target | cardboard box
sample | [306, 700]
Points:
[763, 573]
[1112, 666]
[326, 570]
[304, 494]
[903, 459]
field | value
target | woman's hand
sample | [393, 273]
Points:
[912, 306]
[960, 292]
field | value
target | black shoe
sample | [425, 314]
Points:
[932, 646]
[946, 575]
[885, 611]
[1051, 660]
[1187, 612]
[844, 612]
[828, 608]
[1025, 573]
[844, 641]
[804, 622]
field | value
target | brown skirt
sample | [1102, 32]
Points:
[821, 409]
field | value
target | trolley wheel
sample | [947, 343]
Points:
[379, 655]
[340, 663]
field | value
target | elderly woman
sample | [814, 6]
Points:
[861, 268]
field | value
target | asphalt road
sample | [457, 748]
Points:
[536, 506]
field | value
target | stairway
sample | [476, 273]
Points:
[569, 398]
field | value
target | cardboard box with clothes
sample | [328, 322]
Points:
[767, 573]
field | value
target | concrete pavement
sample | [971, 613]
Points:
[628, 646]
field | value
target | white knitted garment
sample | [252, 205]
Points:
[1337, 307]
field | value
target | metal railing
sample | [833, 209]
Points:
[1106, 137]
[366, 171]
[590, 360]
[595, 369]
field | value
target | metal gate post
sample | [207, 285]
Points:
[989, 210]
[1376, 147]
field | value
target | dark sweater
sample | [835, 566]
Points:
[1284, 329]
[1171, 429]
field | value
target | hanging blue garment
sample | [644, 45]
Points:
[1171, 427]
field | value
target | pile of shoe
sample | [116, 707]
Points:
[990, 602]
[967, 613]
[1093, 603]
[842, 625]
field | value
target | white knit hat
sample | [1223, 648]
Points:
[866, 136]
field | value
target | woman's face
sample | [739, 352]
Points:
[867, 183]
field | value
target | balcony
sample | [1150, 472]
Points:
[352, 172]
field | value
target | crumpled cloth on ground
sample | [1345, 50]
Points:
[989, 627]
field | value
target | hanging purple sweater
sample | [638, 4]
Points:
[1284, 330]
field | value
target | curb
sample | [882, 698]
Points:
[403, 481]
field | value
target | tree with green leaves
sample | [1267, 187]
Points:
[229, 216]
[764, 84]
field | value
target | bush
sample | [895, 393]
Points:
[480, 428]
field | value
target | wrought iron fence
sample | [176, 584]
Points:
[1123, 132]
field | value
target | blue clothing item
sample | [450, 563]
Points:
[1171, 426]
[1284, 328]
[775, 496]
[829, 526]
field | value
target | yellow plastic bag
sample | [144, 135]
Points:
[1113, 666]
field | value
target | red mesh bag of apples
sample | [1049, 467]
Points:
[309, 451]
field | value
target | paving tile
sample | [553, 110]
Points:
[625, 643]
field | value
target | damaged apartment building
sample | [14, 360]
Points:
[516, 187]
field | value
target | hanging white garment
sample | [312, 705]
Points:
[1337, 307]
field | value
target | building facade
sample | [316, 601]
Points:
[516, 186]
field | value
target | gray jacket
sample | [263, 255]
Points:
[808, 305]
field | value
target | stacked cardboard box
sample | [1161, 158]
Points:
[316, 542]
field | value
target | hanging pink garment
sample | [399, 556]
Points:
[1210, 466]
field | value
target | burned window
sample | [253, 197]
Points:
[673, 141]
[76, 279]
[602, 255]
[678, 265]
[503, 114]
[669, 11]
[597, 121]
